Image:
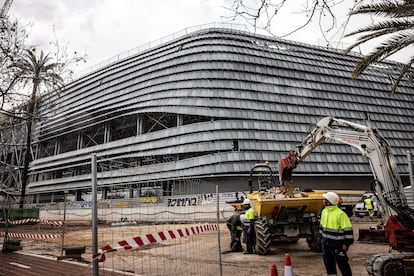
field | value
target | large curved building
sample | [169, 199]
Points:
[202, 109]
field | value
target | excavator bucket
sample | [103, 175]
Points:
[372, 235]
[286, 166]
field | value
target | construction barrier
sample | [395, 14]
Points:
[31, 220]
[31, 236]
[147, 239]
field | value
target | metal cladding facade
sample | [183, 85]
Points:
[210, 105]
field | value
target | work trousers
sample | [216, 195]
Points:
[235, 244]
[333, 256]
[250, 238]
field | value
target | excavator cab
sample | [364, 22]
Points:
[265, 177]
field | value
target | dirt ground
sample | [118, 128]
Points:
[304, 262]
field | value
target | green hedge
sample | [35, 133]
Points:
[16, 214]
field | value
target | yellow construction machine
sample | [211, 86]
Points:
[284, 213]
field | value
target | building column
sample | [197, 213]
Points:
[104, 193]
[57, 147]
[107, 133]
[139, 124]
[180, 119]
[80, 141]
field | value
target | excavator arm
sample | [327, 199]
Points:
[316, 137]
[387, 184]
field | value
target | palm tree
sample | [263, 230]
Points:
[34, 71]
[397, 26]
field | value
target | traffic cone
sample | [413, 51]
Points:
[288, 265]
[273, 270]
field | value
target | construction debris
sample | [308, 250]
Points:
[281, 192]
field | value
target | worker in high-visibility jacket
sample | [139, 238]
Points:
[337, 235]
[248, 227]
[369, 206]
[235, 226]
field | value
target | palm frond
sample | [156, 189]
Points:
[406, 71]
[364, 38]
[410, 71]
[387, 9]
[385, 50]
[36, 69]
[393, 25]
[398, 31]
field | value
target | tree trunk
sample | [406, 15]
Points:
[27, 155]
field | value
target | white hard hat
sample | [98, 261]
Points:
[246, 201]
[332, 197]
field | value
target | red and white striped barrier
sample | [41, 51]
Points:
[143, 240]
[31, 236]
[29, 220]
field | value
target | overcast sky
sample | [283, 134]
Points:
[101, 29]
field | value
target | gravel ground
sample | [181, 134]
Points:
[199, 255]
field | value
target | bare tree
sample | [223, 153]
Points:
[23, 67]
[12, 45]
[263, 14]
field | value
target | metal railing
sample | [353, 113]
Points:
[157, 42]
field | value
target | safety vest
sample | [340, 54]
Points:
[335, 227]
[368, 203]
[249, 217]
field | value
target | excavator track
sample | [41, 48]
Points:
[391, 264]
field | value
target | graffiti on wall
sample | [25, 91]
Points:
[83, 204]
[190, 200]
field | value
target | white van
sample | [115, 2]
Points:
[409, 195]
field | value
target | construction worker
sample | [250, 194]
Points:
[336, 234]
[248, 226]
[235, 226]
[369, 206]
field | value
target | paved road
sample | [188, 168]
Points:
[17, 264]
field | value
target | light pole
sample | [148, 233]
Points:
[94, 215]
